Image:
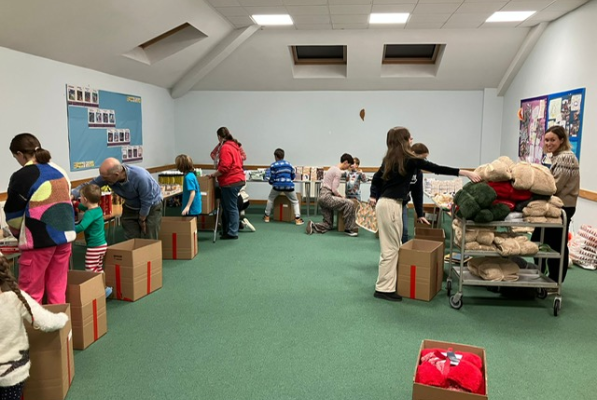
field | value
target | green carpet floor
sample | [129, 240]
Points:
[282, 315]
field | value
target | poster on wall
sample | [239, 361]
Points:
[102, 124]
[532, 115]
[566, 109]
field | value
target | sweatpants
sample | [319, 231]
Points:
[389, 222]
[44, 271]
[291, 196]
[94, 258]
[130, 222]
[328, 203]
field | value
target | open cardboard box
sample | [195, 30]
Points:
[425, 392]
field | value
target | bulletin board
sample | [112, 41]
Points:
[102, 124]
[566, 109]
[537, 114]
[533, 117]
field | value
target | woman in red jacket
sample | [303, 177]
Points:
[231, 179]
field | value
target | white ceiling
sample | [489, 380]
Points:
[95, 35]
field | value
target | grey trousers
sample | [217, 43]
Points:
[131, 227]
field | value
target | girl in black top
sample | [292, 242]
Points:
[389, 186]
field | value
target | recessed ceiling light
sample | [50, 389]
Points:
[388, 18]
[510, 16]
[272, 19]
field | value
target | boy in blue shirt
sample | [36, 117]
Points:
[191, 193]
[281, 178]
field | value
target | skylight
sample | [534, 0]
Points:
[388, 18]
[272, 19]
[510, 16]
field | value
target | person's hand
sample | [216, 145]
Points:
[143, 225]
[473, 176]
[185, 211]
[423, 220]
[372, 201]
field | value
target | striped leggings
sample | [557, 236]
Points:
[94, 258]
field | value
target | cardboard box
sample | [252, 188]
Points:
[208, 194]
[418, 264]
[425, 392]
[134, 268]
[434, 235]
[52, 360]
[430, 215]
[179, 238]
[87, 297]
[206, 222]
[341, 227]
[283, 210]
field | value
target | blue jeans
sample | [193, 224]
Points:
[404, 223]
[230, 215]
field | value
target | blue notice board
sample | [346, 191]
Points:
[103, 124]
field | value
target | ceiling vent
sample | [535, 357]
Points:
[166, 44]
[411, 60]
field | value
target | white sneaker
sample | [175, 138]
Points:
[249, 225]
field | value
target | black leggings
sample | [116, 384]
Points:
[553, 237]
[11, 392]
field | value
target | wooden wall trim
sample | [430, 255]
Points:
[583, 194]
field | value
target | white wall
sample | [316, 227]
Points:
[564, 58]
[315, 128]
[32, 99]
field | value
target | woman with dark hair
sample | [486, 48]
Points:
[215, 153]
[389, 186]
[40, 214]
[231, 178]
[565, 170]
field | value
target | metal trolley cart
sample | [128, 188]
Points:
[465, 278]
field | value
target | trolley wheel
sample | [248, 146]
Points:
[541, 293]
[557, 306]
[449, 287]
[456, 304]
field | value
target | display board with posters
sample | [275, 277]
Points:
[566, 109]
[102, 124]
[539, 113]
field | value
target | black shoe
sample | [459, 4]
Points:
[392, 296]
[228, 237]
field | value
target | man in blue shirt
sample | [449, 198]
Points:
[142, 210]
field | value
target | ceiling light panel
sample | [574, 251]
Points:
[272, 20]
[510, 16]
[388, 18]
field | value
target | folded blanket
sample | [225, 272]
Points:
[493, 268]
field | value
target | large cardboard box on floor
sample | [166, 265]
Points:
[283, 210]
[179, 238]
[435, 235]
[418, 264]
[208, 194]
[134, 268]
[426, 392]
[52, 360]
[87, 297]
[206, 222]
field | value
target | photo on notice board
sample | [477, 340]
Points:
[566, 110]
[72, 93]
[532, 115]
[87, 95]
[91, 113]
[110, 136]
